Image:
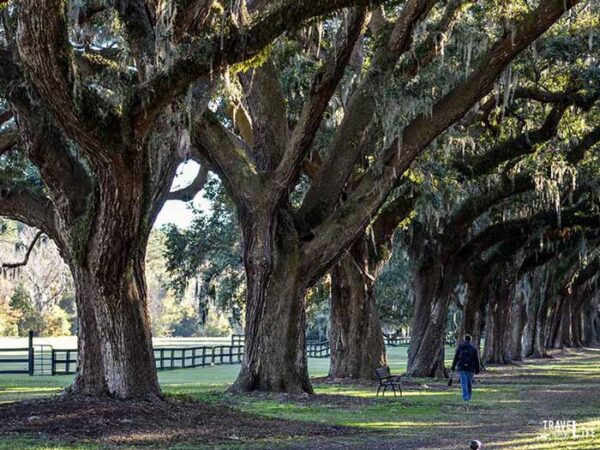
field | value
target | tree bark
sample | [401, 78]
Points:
[540, 319]
[498, 331]
[427, 341]
[106, 257]
[592, 322]
[116, 358]
[575, 324]
[356, 338]
[517, 324]
[473, 318]
[531, 305]
[558, 323]
[274, 353]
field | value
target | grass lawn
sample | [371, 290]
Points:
[508, 411]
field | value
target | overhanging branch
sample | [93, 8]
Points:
[323, 86]
[22, 263]
[188, 193]
[45, 49]
[520, 145]
[31, 208]
[8, 139]
[239, 45]
[353, 134]
[5, 116]
[349, 220]
[227, 155]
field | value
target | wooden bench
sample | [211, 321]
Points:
[387, 380]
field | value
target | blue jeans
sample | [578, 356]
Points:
[466, 382]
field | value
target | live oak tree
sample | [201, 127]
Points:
[259, 155]
[99, 98]
[355, 324]
[436, 242]
[355, 335]
[513, 304]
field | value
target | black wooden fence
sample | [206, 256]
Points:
[65, 361]
[18, 360]
[45, 360]
[393, 340]
[314, 349]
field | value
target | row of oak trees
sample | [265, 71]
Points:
[102, 100]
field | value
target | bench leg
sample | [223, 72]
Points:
[384, 388]
[394, 389]
[378, 389]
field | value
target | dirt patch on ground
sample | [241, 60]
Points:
[407, 382]
[348, 402]
[122, 423]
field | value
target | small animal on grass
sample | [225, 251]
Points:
[475, 445]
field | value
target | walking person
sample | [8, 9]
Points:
[466, 361]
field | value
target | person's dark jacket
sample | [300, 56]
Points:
[466, 358]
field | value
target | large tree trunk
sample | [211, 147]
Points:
[531, 306]
[473, 318]
[115, 345]
[536, 329]
[428, 328]
[498, 331]
[107, 261]
[558, 322]
[274, 354]
[592, 322]
[541, 316]
[356, 338]
[575, 324]
[517, 323]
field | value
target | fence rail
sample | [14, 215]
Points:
[394, 340]
[314, 349]
[18, 360]
[318, 349]
[15, 360]
[65, 361]
[46, 360]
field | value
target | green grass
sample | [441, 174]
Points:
[506, 412]
[178, 381]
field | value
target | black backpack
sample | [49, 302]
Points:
[465, 357]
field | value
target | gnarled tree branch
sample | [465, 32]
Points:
[520, 145]
[351, 135]
[227, 155]
[29, 207]
[188, 193]
[322, 89]
[239, 45]
[8, 139]
[25, 260]
[352, 216]
[45, 49]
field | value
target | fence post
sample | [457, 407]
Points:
[31, 358]
[53, 362]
